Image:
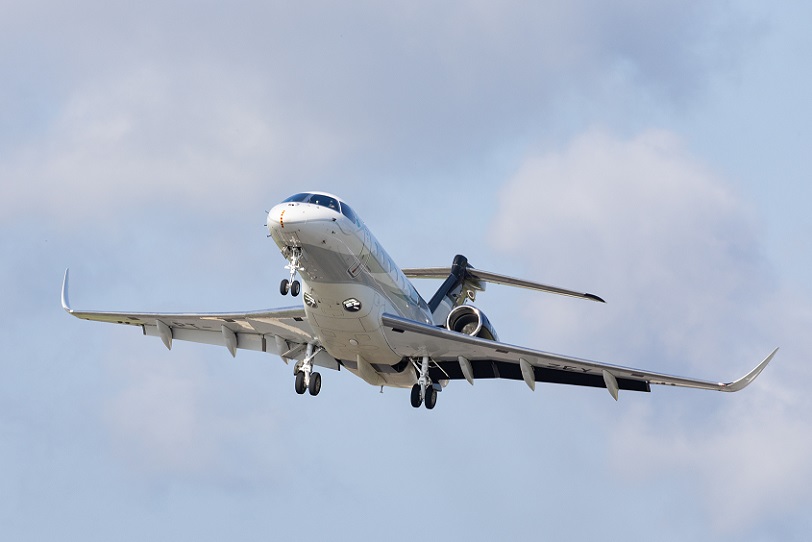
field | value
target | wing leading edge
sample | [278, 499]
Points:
[459, 356]
[277, 331]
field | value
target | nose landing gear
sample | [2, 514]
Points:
[292, 285]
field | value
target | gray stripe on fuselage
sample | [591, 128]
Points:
[330, 267]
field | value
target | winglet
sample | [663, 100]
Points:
[744, 381]
[65, 299]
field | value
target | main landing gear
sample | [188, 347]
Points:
[306, 378]
[292, 285]
[424, 391]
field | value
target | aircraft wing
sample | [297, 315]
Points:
[457, 356]
[284, 331]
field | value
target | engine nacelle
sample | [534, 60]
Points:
[471, 321]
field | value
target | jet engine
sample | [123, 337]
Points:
[471, 321]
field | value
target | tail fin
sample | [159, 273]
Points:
[458, 287]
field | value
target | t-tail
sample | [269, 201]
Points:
[463, 281]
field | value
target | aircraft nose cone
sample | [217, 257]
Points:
[286, 220]
[273, 218]
[286, 217]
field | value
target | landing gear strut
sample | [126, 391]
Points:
[424, 391]
[306, 378]
[292, 285]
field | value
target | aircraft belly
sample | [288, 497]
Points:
[348, 333]
[404, 379]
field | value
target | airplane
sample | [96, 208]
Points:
[361, 313]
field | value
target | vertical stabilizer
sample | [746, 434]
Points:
[458, 287]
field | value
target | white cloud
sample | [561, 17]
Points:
[154, 136]
[176, 421]
[747, 466]
[115, 108]
[677, 254]
[645, 225]
[210, 107]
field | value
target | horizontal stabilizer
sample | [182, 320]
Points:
[487, 276]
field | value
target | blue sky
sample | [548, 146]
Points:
[655, 154]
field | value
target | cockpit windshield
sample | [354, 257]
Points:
[315, 199]
[349, 213]
[297, 197]
[325, 201]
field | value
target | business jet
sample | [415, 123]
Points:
[361, 313]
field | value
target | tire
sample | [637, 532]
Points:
[431, 397]
[416, 399]
[284, 286]
[295, 288]
[300, 383]
[315, 384]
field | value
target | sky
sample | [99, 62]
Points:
[655, 154]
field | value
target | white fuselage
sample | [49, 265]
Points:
[348, 282]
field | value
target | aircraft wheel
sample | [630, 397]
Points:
[284, 286]
[431, 397]
[315, 383]
[416, 399]
[300, 383]
[295, 288]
